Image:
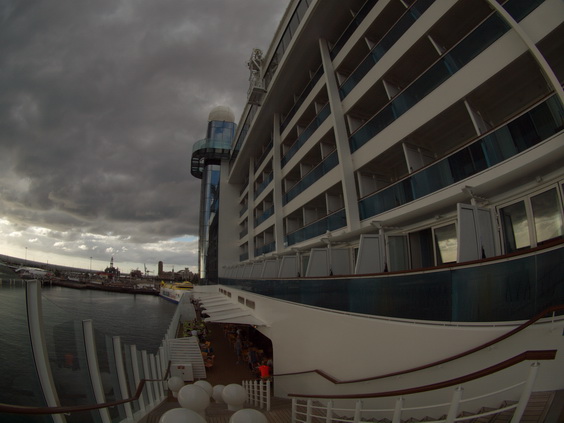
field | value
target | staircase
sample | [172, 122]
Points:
[187, 351]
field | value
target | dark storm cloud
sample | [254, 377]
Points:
[101, 102]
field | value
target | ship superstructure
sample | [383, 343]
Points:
[398, 180]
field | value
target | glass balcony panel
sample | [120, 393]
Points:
[387, 199]
[319, 171]
[307, 133]
[144, 393]
[540, 123]
[498, 146]
[301, 98]
[109, 375]
[264, 184]
[476, 42]
[267, 248]
[19, 383]
[128, 364]
[64, 339]
[332, 222]
[265, 215]
[401, 26]
[431, 179]
[351, 28]
[373, 127]
[519, 9]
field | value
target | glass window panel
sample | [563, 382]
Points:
[446, 244]
[515, 227]
[19, 382]
[398, 253]
[421, 246]
[547, 215]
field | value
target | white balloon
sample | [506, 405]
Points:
[217, 393]
[205, 385]
[181, 415]
[248, 415]
[235, 396]
[193, 398]
[175, 384]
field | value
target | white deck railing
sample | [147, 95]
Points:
[305, 409]
[258, 393]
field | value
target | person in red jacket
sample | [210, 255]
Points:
[264, 370]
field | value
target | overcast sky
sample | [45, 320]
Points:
[100, 103]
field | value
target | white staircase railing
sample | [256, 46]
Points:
[305, 409]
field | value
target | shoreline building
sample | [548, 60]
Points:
[205, 165]
[391, 208]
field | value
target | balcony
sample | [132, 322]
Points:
[477, 41]
[306, 134]
[522, 133]
[308, 180]
[329, 223]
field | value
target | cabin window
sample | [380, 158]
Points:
[515, 227]
[398, 256]
[421, 249]
[547, 215]
[446, 244]
[532, 221]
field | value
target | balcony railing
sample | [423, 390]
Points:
[331, 222]
[308, 180]
[267, 248]
[539, 123]
[265, 153]
[264, 184]
[394, 34]
[301, 98]
[264, 215]
[477, 41]
[306, 134]
[351, 28]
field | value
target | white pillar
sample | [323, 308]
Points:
[341, 138]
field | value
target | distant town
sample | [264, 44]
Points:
[110, 279]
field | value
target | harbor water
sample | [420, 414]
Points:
[140, 320]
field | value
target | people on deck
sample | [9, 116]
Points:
[238, 348]
[264, 370]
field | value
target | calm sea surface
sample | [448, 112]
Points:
[141, 320]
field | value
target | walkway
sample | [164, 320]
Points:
[225, 371]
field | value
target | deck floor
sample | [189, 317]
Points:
[225, 371]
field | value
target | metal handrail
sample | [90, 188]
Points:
[20, 409]
[453, 405]
[533, 320]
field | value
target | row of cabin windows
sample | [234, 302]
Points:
[526, 223]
